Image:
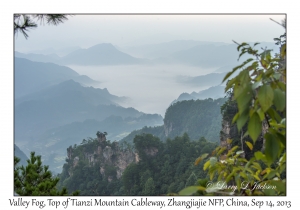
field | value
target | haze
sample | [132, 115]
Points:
[151, 88]
[133, 30]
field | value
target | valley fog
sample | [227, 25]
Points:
[151, 88]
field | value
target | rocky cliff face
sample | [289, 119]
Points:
[228, 130]
[168, 127]
[101, 153]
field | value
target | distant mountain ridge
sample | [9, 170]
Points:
[164, 49]
[207, 54]
[60, 104]
[59, 51]
[30, 76]
[212, 92]
[186, 52]
[212, 79]
[101, 54]
[50, 58]
[93, 95]
[47, 120]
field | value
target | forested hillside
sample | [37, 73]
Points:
[149, 167]
[197, 118]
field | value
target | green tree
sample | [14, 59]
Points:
[35, 179]
[259, 91]
[149, 188]
[25, 22]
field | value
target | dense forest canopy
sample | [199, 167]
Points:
[161, 167]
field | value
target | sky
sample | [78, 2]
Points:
[155, 95]
[134, 30]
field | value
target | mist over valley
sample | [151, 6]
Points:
[95, 101]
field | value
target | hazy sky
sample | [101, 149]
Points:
[148, 95]
[132, 30]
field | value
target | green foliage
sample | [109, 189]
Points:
[259, 94]
[149, 188]
[197, 118]
[247, 175]
[35, 179]
[166, 171]
[163, 167]
[80, 173]
[147, 144]
[157, 131]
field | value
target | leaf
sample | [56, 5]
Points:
[279, 99]
[230, 84]
[282, 138]
[254, 127]
[280, 185]
[232, 150]
[274, 115]
[241, 121]
[256, 177]
[249, 145]
[229, 177]
[244, 175]
[221, 151]
[257, 166]
[277, 76]
[256, 85]
[200, 158]
[236, 116]
[261, 114]
[269, 192]
[227, 76]
[267, 55]
[213, 161]
[211, 176]
[239, 152]
[241, 45]
[260, 156]
[228, 141]
[272, 148]
[264, 171]
[282, 86]
[271, 174]
[282, 159]
[244, 98]
[213, 188]
[206, 165]
[191, 190]
[265, 97]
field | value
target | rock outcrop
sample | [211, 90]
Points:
[103, 154]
